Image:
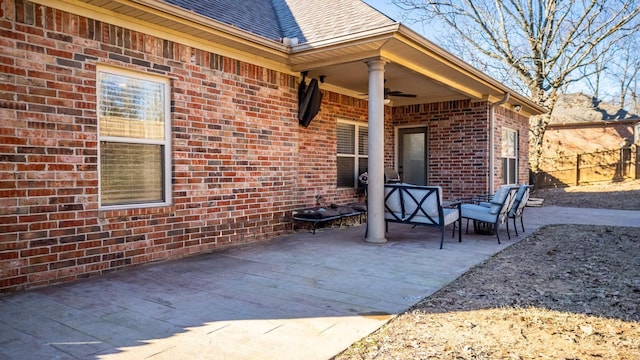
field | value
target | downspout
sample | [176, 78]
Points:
[492, 149]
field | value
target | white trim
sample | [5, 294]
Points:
[126, 140]
[515, 155]
[166, 143]
[356, 155]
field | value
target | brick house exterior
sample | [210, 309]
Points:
[459, 146]
[582, 124]
[240, 162]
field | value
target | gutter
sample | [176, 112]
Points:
[492, 149]
[369, 35]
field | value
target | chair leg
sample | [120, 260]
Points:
[506, 221]
[522, 223]
[467, 231]
[515, 226]
[441, 237]
[497, 235]
[459, 230]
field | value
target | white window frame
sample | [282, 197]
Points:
[166, 142]
[506, 149]
[356, 155]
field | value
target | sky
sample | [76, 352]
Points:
[384, 6]
[396, 13]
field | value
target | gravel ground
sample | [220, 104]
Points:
[564, 292]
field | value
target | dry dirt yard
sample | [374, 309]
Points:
[564, 292]
[624, 195]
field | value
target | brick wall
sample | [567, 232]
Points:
[458, 147]
[317, 167]
[457, 144]
[240, 161]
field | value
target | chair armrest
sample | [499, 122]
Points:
[476, 199]
[452, 204]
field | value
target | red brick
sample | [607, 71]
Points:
[34, 252]
[44, 259]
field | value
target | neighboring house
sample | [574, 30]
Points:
[586, 141]
[581, 124]
[137, 131]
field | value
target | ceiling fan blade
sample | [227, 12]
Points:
[388, 92]
[401, 94]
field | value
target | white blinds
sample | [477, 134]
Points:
[352, 151]
[346, 134]
[131, 173]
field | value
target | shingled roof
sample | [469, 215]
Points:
[581, 108]
[308, 20]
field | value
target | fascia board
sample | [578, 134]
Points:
[418, 42]
[257, 50]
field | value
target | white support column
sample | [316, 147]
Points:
[375, 206]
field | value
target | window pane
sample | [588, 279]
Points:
[130, 173]
[505, 171]
[512, 171]
[346, 176]
[509, 171]
[131, 107]
[363, 140]
[508, 143]
[346, 134]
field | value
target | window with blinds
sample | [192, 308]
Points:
[509, 154]
[352, 152]
[133, 119]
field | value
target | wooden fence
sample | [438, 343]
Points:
[572, 170]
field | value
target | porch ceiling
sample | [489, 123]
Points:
[352, 78]
[414, 66]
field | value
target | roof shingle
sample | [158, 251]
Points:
[307, 20]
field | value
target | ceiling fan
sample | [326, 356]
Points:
[388, 92]
[396, 93]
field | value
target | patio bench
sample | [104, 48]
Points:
[420, 205]
[317, 215]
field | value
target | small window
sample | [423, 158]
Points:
[352, 152]
[509, 154]
[134, 139]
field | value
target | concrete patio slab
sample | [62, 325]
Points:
[301, 296]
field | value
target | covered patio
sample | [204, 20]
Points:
[298, 296]
[392, 66]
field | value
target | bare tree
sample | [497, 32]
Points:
[535, 46]
[625, 69]
[592, 74]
